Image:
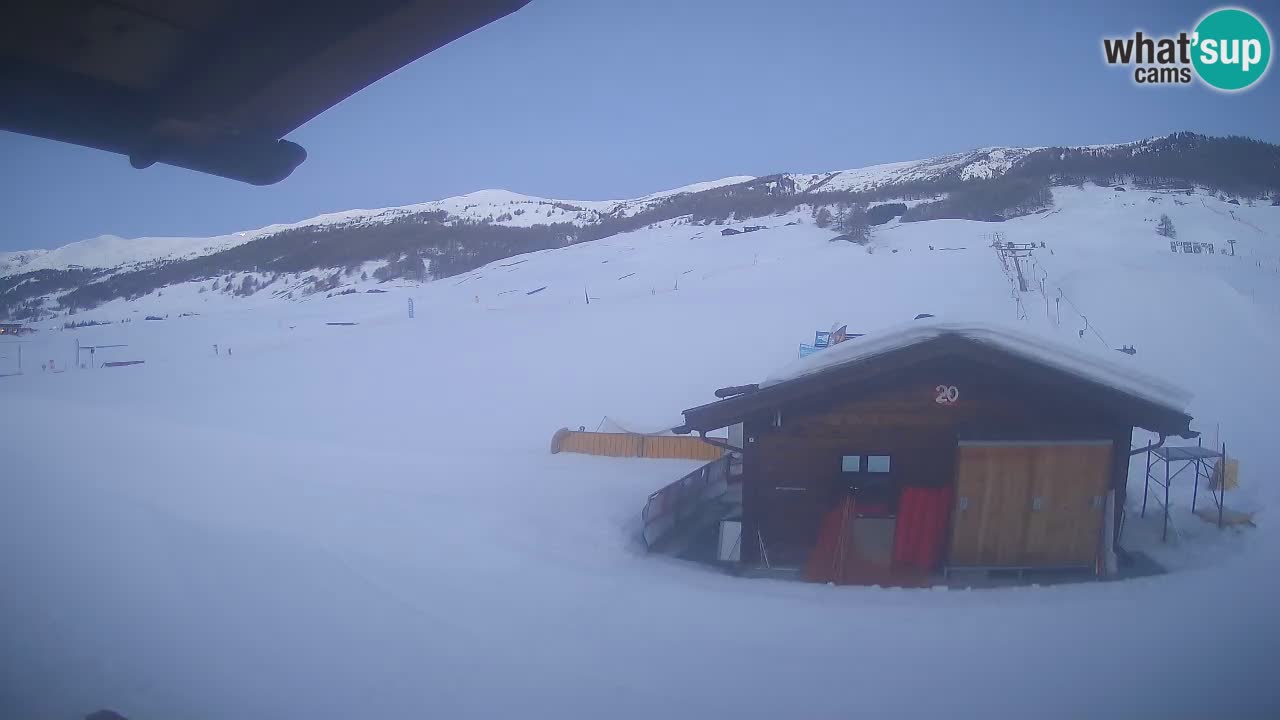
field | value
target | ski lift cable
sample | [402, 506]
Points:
[1037, 266]
[1063, 295]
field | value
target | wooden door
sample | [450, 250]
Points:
[991, 505]
[1068, 491]
[794, 500]
[1029, 505]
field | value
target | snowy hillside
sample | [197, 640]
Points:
[499, 206]
[14, 262]
[984, 163]
[502, 207]
[111, 251]
[335, 521]
[507, 208]
[445, 238]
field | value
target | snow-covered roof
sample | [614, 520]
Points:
[1014, 341]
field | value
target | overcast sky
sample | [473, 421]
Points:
[596, 99]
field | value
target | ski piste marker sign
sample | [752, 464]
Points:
[1229, 50]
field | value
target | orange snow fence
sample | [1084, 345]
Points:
[633, 445]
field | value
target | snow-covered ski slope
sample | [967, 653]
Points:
[364, 521]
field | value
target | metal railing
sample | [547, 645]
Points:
[675, 505]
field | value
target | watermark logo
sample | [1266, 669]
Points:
[1229, 50]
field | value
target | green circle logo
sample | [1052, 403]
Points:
[1232, 49]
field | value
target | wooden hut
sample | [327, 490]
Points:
[935, 447]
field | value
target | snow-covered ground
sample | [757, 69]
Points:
[365, 521]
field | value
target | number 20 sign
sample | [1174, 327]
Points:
[946, 395]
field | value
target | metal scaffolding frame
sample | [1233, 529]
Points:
[1206, 463]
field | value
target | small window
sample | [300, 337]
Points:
[851, 463]
[878, 463]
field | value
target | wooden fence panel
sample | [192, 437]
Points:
[672, 446]
[629, 445]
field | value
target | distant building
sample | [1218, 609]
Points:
[15, 329]
[752, 228]
[730, 231]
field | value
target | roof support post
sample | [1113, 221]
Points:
[1146, 482]
[1164, 535]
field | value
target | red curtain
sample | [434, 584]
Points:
[920, 535]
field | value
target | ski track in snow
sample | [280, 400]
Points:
[364, 520]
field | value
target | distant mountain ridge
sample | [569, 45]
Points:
[500, 206]
[444, 237]
[109, 251]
